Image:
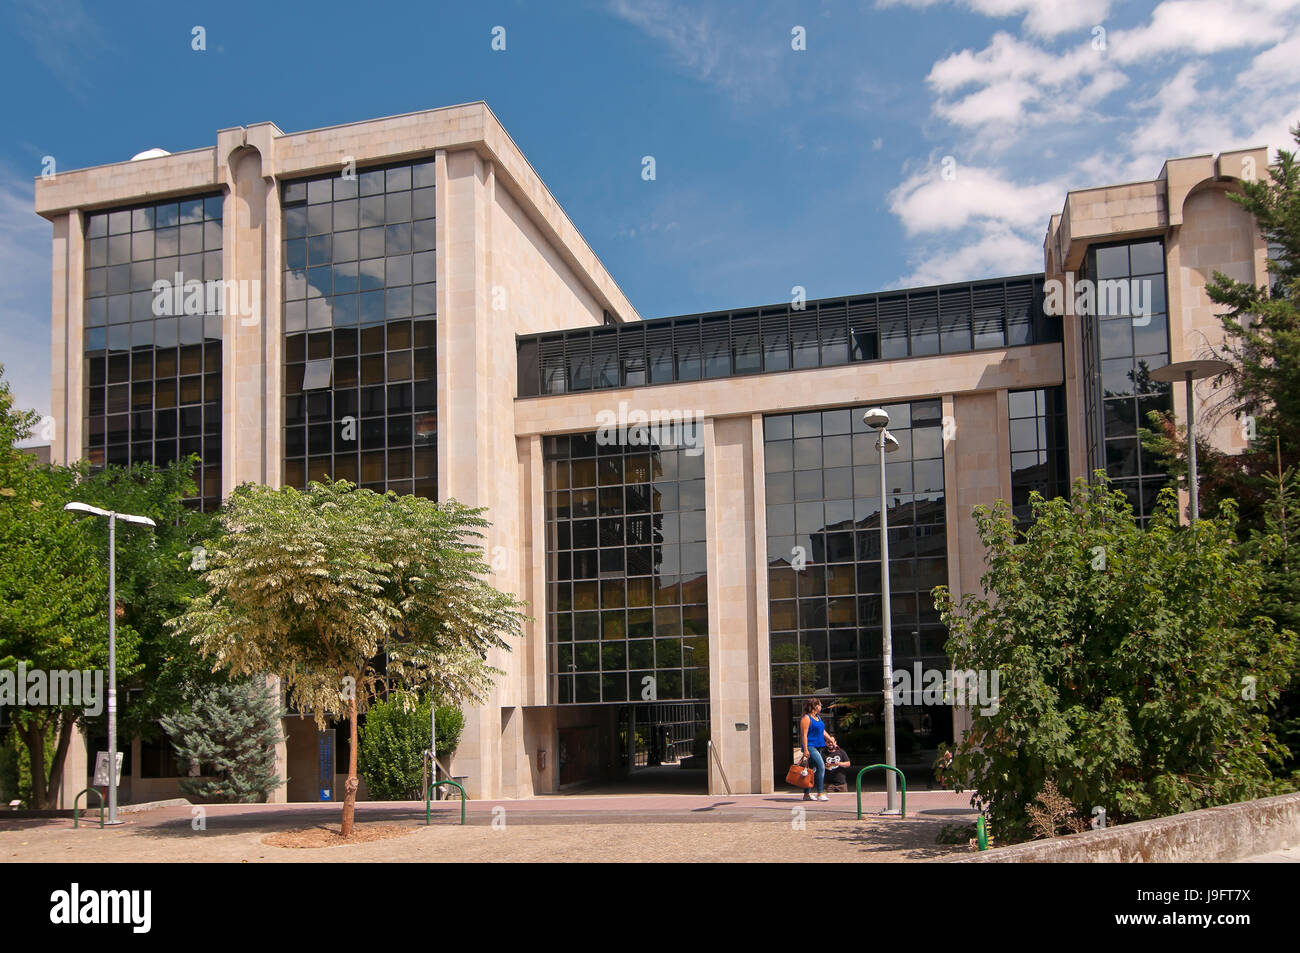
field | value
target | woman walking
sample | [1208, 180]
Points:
[815, 736]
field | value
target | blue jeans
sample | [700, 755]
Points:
[818, 764]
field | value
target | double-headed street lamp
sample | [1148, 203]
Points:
[877, 419]
[112, 638]
[1189, 371]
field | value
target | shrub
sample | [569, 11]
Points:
[393, 742]
[231, 732]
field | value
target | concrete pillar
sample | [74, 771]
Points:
[75, 769]
[67, 361]
[251, 407]
[739, 679]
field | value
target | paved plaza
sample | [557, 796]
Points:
[670, 828]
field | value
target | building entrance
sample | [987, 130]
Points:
[650, 748]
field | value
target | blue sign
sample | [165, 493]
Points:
[325, 762]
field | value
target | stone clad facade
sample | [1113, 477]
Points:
[508, 268]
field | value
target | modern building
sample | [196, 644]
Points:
[689, 505]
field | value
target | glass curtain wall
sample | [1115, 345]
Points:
[823, 540]
[628, 614]
[153, 356]
[360, 385]
[1040, 450]
[1121, 349]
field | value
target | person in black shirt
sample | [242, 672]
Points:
[837, 764]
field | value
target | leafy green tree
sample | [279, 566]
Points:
[1135, 667]
[1262, 343]
[342, 591]
[230, 732]
[54, 589]
[53, 595]
[394, 742]
[158, 572]
[1277, 546]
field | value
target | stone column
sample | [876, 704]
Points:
[739, 679]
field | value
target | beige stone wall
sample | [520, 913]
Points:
[1216, 235]
[1187, 205]
[977, 469]
[739, 676]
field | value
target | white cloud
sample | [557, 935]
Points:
[1201, 27]
[1020, 104]
[1274, 68]
[994, 250]
[1041, 17]
[926, 202]
[1020, 84]
[734, 56]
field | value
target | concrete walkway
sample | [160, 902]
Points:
[683, 828]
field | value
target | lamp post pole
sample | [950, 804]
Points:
[887, 638]
[112, 668]
[1193, 483]
[1188, 371]
[112, 638]
[878, 419]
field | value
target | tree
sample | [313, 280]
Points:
[54, 589]
[1135, 667]
[394, 742]
[1277, 546]
[345, 593]
[1262, 343]
[53, 594]
[229, 732]
[157, 574]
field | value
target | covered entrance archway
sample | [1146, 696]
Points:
[646, 748]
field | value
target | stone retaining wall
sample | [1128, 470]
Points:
[1228, 832]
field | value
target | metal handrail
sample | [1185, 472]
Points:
[902, 780]
[96, 792]
[718, 761]
[428, 797]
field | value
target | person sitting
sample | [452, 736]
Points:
[837, 765]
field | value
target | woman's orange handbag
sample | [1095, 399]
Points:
[800, 775]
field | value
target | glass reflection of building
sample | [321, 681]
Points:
[1040, 452]
[153, 360]
[823, 538]
[360, 387]
[1120, 350]
[625, 569]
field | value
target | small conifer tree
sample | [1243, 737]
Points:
[230, 732]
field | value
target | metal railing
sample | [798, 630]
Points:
[94, 791]
[428, 798]
[901, 780]
[718, 761]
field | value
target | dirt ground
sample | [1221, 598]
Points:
[694, 830]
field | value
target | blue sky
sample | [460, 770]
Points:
[775, 167]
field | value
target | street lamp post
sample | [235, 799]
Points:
[878, 419]
[112, 638]
[1189, 371]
